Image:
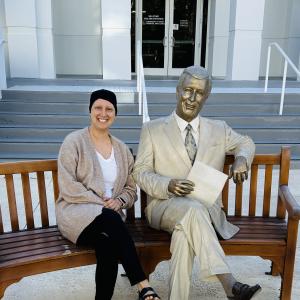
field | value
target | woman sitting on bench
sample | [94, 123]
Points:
[94, 175]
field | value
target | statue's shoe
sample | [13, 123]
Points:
[243, 291]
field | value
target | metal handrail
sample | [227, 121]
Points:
[286, 62]
[141, 87]
[3, 84]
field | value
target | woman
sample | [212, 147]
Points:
[94, 171]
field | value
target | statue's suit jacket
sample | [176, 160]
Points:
[162, 156]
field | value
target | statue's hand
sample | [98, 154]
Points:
[180, 187]
[239, 170]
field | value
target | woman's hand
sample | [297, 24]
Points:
[111, 203]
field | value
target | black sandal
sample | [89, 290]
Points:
[143, 292]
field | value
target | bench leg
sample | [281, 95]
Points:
[288, 270]
[5, 284]
[149, 266]
[274, 270]
[276, 266]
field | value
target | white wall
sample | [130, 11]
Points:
[116, 24]
[29, 35]
[274, 30]
[218, 37]
[22, 42]
[3, 33]
[281, 25]
[293, 41]
[245, 37]
[77, 36]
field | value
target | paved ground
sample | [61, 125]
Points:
[78, 283]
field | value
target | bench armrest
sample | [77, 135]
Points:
[290, 202]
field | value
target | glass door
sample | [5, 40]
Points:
[170, 31]
[154, 36]
[184, 35]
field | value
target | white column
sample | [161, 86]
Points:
[293, 40]
[218, 37]
[245, 36]
[45, 39]
[30, 41]
[3, 84]
[116, 55]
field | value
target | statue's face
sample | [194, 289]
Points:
[191, 96]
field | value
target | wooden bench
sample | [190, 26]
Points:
[33, 248]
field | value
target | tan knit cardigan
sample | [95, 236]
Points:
[81, 182]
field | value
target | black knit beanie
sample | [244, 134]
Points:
[105, 95]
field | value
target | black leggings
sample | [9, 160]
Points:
[108, 235]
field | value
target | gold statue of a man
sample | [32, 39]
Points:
[168, 148]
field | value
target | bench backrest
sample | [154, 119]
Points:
[31, 171]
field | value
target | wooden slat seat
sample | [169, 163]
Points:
[43, 244]
[42, 248]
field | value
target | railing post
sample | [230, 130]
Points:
[298, 75]
[3, 84]
[267, 68]
[138, 75]
[283, 87]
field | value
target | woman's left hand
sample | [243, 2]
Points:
[113, 204]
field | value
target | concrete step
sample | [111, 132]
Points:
[61, 96]
[59, 108]
[79, 121]
[61, 121]
[154, 109]
[132, 134]
[230, 98]
[152, 97]
[229, 110]
[44, 150]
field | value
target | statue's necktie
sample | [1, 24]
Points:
[190, 143]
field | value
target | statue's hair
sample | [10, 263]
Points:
[197, 72]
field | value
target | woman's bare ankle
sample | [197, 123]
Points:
[143, 284]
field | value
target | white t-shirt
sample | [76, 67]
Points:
[109, 171]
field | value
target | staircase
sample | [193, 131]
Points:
[34, 123]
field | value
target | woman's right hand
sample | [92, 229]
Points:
[113, 204]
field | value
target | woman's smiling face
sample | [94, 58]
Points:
[102, 114]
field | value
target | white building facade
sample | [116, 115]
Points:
[53, 38]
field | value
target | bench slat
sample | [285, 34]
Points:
[25, 232]
[13, 212]
[42, 198]
[9, 242]
[267, 190]
[283, 177]
[1, 222]
[143, 204]
[225, 190]
[35, 244]
[252, 232]
[27, 200]
[40, 254]
[28, 166]
[130, 214]
[253, 190]
[55, 184]
[238, 199]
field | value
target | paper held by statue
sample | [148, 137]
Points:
[208, 181]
